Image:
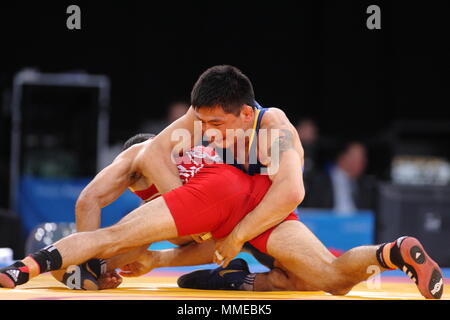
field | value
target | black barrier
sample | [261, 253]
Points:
[419, 211]
[11, 235]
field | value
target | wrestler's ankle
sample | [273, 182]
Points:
[33, 266]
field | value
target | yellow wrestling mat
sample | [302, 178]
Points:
[160, 287]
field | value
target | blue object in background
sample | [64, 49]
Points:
[53, 200]
[340, 232]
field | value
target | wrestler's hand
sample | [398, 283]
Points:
[226, 249]
[109, 280]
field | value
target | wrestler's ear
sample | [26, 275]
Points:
[246, 113]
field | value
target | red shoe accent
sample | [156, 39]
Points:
[429, 276]
[24, 269]
[336, 252]
[6, 282]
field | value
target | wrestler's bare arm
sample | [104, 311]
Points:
[287, 190]
[160, 167]
[192, 254]
[104, 189]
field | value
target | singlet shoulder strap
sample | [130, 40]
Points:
[253, 157]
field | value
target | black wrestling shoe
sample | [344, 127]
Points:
[229, 278]
[84, 276]
[14, 275]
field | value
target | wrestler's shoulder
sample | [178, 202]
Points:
[274, 117]
[136, 153]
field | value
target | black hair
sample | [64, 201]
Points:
[225, 86]
[140, 137]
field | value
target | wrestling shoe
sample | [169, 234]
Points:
[229, 278]
[84, 276]
[408, 254]
[14, 275]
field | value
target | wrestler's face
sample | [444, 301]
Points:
[221, 128]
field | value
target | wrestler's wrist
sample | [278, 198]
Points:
[240, 236]
[151, 259]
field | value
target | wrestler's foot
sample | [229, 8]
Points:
[14, 275]
[408, 254]
[84, 276]
[229, 278]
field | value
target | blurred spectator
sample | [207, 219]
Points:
[344, 188]
[174, 111]
[309, 135]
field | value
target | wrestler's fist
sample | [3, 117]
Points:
[226, 249]
[109, 280]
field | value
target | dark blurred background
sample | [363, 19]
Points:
[373, 103]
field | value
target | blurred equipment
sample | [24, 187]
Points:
[11, 235]
[59, 136]
[59, 126]
[46, 234]
[418, 211]
[421, 149]
[420, 170]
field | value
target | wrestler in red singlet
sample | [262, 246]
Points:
[215, 197]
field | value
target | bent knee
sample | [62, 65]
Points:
[334, 283]
[339, 286]
[338, 291]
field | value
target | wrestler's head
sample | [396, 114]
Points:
[138, 138]
[223, 99]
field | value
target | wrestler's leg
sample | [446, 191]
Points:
[190, 255]
[278, 279]
[134, 254]
[148, 223]
[110, 279]
[298, 250]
